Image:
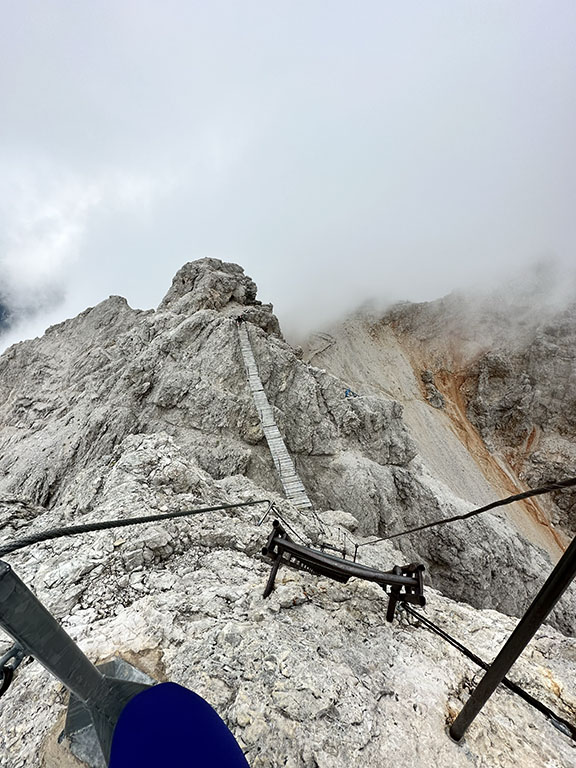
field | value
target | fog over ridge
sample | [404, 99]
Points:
[338, 154]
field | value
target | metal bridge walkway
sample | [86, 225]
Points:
[293, 487]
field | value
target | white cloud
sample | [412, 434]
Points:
[46, 217]
[337, 151]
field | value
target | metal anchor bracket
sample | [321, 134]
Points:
[403, 583]
[9, 663]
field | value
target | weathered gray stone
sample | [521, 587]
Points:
[119, 413]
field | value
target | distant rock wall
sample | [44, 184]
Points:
[453, 469]
[514, 367]
[4, 317]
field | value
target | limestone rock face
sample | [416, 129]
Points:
[516, 364]
[313, 675]
[402, 356]
[119, 413]
[4, 316]
[208, 284]
[214, 284]
[524, 405]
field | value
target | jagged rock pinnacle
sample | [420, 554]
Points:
[214, 284]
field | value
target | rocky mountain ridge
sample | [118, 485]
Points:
[120, 412]
[513, 374]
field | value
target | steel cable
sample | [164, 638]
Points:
[72, 530]
[558, 722]
[558, 486]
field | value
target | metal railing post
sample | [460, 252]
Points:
[553, 589]
[31, 625]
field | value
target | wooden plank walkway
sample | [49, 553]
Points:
[293, 487]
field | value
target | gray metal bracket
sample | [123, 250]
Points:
[79, 731]
[38, 633]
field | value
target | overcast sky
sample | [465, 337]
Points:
[338, 150]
